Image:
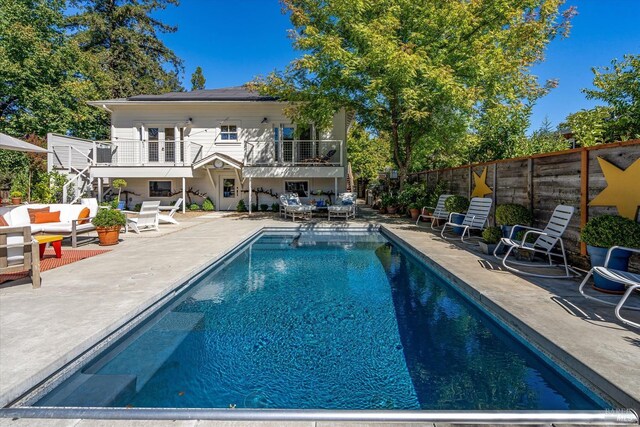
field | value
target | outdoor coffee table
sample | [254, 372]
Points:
[54, 239]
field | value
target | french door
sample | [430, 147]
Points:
[161, 145]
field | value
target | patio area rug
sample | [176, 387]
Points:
[50, 261]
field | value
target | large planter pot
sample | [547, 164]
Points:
[414, 214]
[108, 236]
[391, 209]
[458, 219]
[16, 200]
[487, 248]
[619, 261]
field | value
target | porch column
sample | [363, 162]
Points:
[184, 195]
[99, 189]
[250, 196]
[335, 189]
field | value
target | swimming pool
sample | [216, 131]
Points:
[321, 321]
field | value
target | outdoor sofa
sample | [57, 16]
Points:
[69, 224]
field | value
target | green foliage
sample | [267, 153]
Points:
[606, 231]
[109, 218]
[512, 214]
[194, 207]
[137, 207]
[241, 206]
[619, 86]
[114, 204]
[491, 235]
[122, 38]
[119, 183]
[531, 238]
[207, 205]
[197, 79]
[412, 196]
[275, 207]
[20, 183]
[45, 79]
[16, 193]
[48, 188]
[542, 140]
[588, 126]
[456, 203]
[388, 200]
[368, 154]
[412, 70]
[264, 207]
[432, 197]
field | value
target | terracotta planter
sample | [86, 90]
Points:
[414, 214]
[16, 200]
[108, 235]
[391, 209]
[383, 210]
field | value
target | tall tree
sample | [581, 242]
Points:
[619, 86]
[43, 76]
[403, 65]
[122, 37]
[197, 79]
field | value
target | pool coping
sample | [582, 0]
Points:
[449, 416]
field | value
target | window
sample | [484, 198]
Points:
[228, 133]
[159, 188]
[301, 188]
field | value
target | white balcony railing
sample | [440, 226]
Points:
[147, 153]
[294, 153]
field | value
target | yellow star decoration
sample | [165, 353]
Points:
[481, 188]
[623, 188]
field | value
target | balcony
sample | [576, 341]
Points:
[147, 153]
[300, 153]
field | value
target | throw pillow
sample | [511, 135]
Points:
[3, 222]
[43, 217]
[32, 213]
[347, 202]
[84, 213]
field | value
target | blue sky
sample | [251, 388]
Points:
[233, 41]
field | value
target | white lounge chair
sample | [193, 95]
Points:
[440, 212]
[168, 218]
[476, 218]
[345, 207]
[544, 244]
[290, 206]
[19, 252]
[147, 218]
[631, 280]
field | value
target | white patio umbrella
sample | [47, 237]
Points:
[10, 143]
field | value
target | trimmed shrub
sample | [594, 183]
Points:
[456, 204]
[194, 207]
[241, 206]
[491, 235]
[512, 214]
[109, 218]
[606, 231]
[207, 205]
[264, 207]
[275, 207]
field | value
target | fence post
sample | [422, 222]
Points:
[469, 181]
[494, 205]
[584, 193]
[530, 183]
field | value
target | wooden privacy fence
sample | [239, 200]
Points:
[542, 181]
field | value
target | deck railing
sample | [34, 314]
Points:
[294, 153]
[147, 153]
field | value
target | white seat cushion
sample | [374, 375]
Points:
[64, 227]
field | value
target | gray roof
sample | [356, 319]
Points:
[236, 93]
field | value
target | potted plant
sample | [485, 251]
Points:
[600, 234]
[510, 214]
[414, 210]
[392, 204]
[16, 197]
[108, 223]
[490, 238]
[458, 204]
[119, 184]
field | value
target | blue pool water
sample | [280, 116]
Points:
[312, 322]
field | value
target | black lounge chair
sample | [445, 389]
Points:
[321, 159]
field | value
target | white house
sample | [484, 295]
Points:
[225, 143]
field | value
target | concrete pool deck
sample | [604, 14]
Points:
[40, 330]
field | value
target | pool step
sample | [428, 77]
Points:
[274, 242]
[147, 352]
[92, 390]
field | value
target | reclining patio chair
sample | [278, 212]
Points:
[439, 212]
[321, 159]
[544, 244]
[345, 207]
[147, 219]
[631, 280]
[19, 252]
[168, 218]
[290, 206]
[476, 218]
